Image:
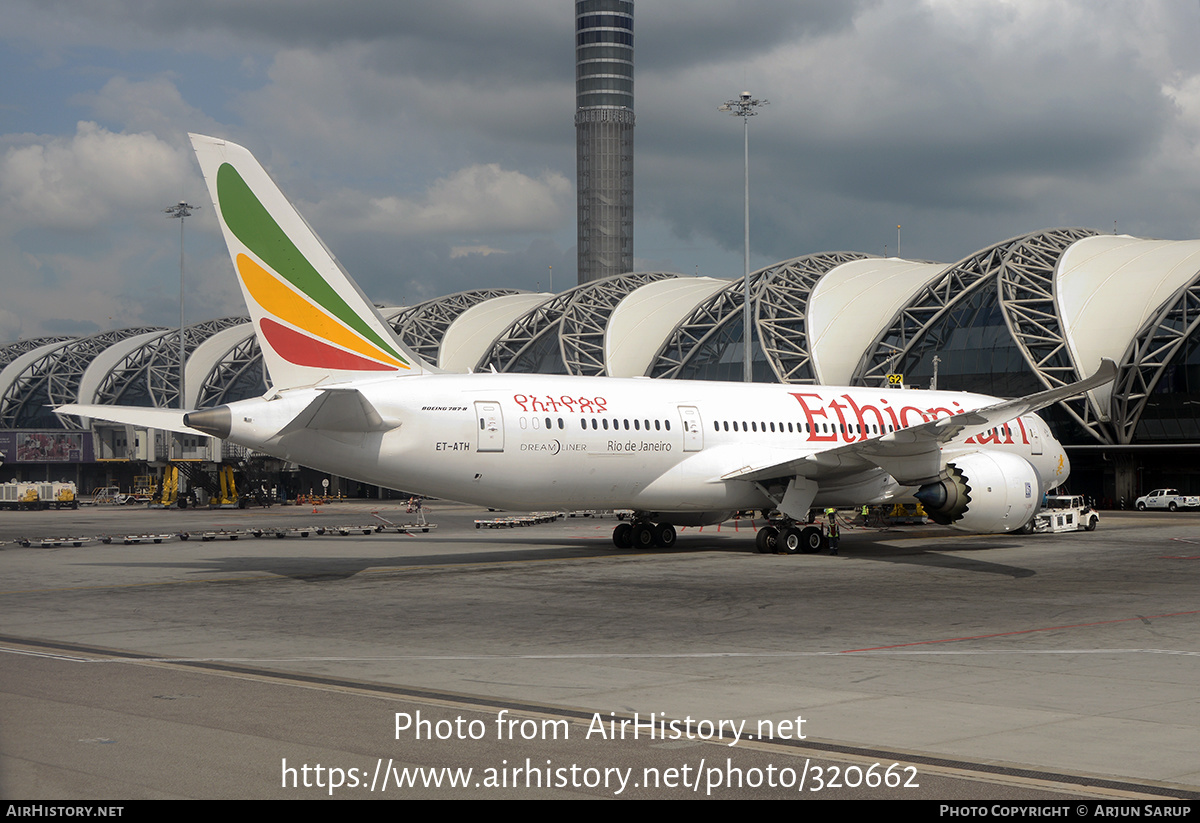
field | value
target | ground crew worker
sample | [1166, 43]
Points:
[834, 534]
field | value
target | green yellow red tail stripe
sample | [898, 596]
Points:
[320, 318]
[287, 305]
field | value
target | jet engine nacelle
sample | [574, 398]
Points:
[986, 492]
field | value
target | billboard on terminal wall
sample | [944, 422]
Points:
[47, 447]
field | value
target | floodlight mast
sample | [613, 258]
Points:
[744, 107]
[181, 210]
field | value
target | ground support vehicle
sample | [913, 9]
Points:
[22, 494]
[1168, 499]
[1063, 513]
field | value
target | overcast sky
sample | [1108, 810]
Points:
[431, 144]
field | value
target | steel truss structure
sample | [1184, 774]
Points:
[1151, 352]
[53, 380]
[11, 351]
[1022, 273]
[149, 375]
[781, 310]
[585, 320]
[698, 339]
[1012, 315]
[779, 294]
[909, 325]
[423, 327]
[565, 334]
[1026, 284]
[237, 375]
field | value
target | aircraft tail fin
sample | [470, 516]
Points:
[314, 325]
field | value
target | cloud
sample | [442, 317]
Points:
[341, 113]
[10, 325]
[152, 106]
[675, 39]
[463, 251]
[1005, 117]
[481, 199]
[417, 136]
[77, 183]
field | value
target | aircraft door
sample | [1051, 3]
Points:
[1035, 438]
[693, 432]
[491, 426]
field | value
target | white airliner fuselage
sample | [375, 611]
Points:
[541, 441]
[350, 398]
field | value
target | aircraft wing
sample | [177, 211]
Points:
[143, 416]
[913, 456]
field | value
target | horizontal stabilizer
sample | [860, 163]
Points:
[141, 416]
[340, 410]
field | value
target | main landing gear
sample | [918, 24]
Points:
[790, 538]
[642, 534]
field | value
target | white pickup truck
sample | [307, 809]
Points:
[1167, 499]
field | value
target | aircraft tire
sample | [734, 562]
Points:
[813, 540]
[792, 540]
[664, 535]
[767, 540]
[623, 536]
[643, 536]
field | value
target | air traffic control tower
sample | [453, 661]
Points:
[604, 136]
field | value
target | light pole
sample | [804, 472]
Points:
[181, 210]
[744, 107]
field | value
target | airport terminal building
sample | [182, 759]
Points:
[1033, 312]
